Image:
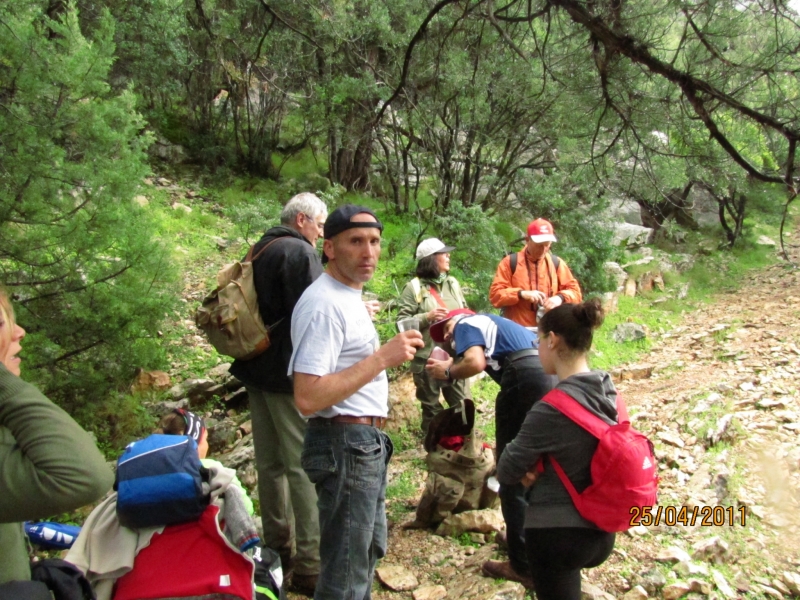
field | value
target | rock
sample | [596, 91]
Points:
[781, 587]
[237, 398]
[652, 581]
[765, 241]
[636, 593]
[632, 236]
[689, 569]
[771, 592]
[621, 209]
[246, 428]
[721, 431]
[670, 438]
[617, 272]
[220, 371]
[722, 585]
[150, 380]
[430, 592]
[673, 555]
[700, 587]
[713, 549]
[179, 206]
[239, 456]
[628, 332]
[477, 538]
[481, 521]
[676, 590]
[592, 592]
[650, 281]
[397, 578]
[476, 587]
[141, 200]
[221, 435]
[171, 153]
[633, 372]
[630, 287]
[792, 581]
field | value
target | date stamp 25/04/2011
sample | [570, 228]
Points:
[709, 516]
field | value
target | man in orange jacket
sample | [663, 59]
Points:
[532, 278]
[523, 282]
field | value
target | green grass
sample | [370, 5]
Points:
[402, 487]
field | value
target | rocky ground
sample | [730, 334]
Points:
[719, 397]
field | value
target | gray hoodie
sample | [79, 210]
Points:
[547, 431]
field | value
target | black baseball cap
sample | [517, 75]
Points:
[339, 220]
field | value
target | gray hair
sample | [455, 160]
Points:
[306, 203]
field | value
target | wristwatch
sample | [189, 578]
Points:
[447, 374]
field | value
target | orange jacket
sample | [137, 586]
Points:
[539, 275]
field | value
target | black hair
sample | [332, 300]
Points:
[574, 323]
[428, 267]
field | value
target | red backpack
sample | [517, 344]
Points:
[623, 467]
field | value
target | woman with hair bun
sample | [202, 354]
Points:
[559, 541]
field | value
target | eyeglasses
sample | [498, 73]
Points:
[313, 220]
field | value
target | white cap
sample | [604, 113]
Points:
[432, 246]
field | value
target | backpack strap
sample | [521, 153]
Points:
[573, 410]
[436, 296]
[513, 262]
[251, 258]
[416, 287]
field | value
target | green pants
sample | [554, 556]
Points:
[288, 499]
[428, 395]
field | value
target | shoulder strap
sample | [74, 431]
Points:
[556, 260]
[513, 262]
[251, 258]
[436, 296]
[416, 287]
[580, 415]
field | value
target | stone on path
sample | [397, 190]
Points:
[397, 578]
[480, 521]
[430, 592]
[636, 593]
[676, 590]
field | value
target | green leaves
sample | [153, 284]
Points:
[88, 280]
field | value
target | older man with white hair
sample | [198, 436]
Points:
[288, 263]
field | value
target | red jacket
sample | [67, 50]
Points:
[540, 275]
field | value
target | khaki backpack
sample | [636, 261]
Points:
[456, 478]
[229, 315]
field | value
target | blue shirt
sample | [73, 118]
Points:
[499, 337]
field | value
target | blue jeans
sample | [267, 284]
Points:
[522, 383]
[347, 463]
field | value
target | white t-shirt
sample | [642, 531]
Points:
[331, 331]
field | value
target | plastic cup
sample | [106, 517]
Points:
[408, 324]
[439, 354]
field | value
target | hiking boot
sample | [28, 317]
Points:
[303, 584]
[502, 570]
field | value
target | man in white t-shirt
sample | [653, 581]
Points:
[340, 382]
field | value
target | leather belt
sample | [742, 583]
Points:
[521, 354]
[379, 422]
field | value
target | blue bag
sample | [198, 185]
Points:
[51, 535]
[160, 482]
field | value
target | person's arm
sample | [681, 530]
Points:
[474, 362]
[519, 459]
[52, 465]
[502, 291]
[313, 393]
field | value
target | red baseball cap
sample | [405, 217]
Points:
[437, 329]
[541, 231]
